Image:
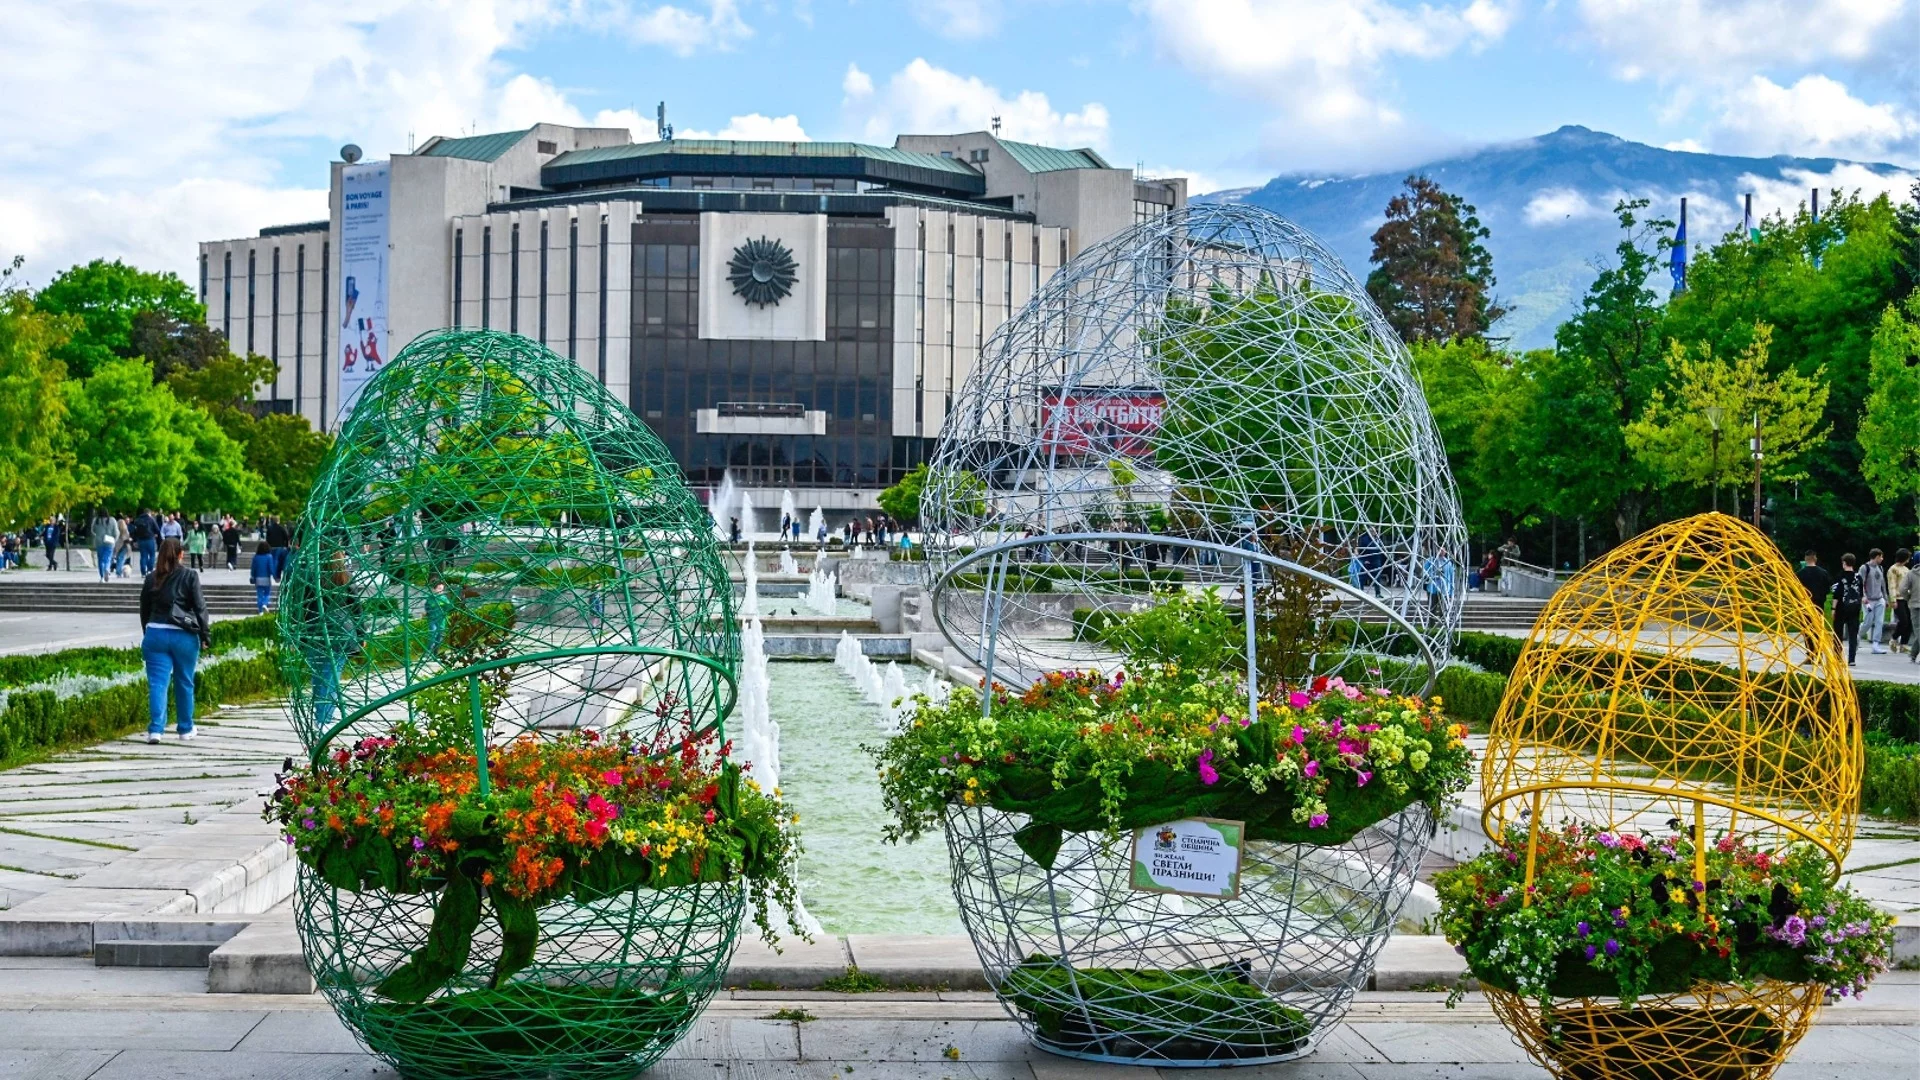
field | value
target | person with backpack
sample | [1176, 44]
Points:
[281, 543]
[106, 539]
[1873, 599]
[174, 626]
[1846, 606]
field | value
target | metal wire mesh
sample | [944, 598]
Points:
[1206, 400]
[1709, 1033]
[1210, 381]
[1262, 977]
[488, 506]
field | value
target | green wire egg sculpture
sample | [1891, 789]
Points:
[495, 536]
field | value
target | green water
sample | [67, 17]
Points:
[852, 881]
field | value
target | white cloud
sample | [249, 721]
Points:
[1815, 116]
[148, 128]
[1686, 39]
[686, 32]
[1785, 195]
[923, 99]
[961, 20]
[755, 126]
[1557, 206]
[1685, 146]
[1319, 63]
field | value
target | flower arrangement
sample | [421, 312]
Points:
[1082, 752]
[1619, 915]
[566, 814]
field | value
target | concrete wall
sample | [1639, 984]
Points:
[801, 316]
[294, 334]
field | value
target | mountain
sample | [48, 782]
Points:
[1548, 202]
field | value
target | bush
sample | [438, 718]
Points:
[1890, 784]
[1471, 696]
[38, 721]
[101, 661]
[1495, 652]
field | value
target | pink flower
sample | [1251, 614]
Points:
[1364, 776]
[1317, 821]
[1299, 700]
[1299, 735]
[1352, 692]
[611, 776]
[1312, 769]
[1207, 773]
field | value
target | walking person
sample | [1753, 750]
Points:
[230, 539]
[171, 529]
[260, 571]
[1897, 576]
[197, 546]
[280, 542]
[52, 538]
[173, 618]
[1818, 583]
[1846, 606]
[106, 540]
[146, 539]
[1873, 600]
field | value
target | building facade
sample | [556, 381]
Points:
[799, 313]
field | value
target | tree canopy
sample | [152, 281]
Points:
[1433, 279]
[107, 299]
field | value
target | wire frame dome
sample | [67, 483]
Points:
[493, 526]
[1205, 400]
[1687, 670]
[1686, 677]
[1207, 384]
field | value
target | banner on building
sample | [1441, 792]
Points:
[1107, 423]
[364, 191]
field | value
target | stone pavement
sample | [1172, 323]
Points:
[63, 1019]
[127, 829]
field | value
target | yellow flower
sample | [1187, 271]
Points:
[1436, 699]
[1678, 896]
[973, 781]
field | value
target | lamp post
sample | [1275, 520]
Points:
[1714, 413]
[1758, 453]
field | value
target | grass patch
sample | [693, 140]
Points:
[854, 981]
[798, 1016]
[66, 839]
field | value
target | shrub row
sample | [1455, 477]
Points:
[1890, 786]
[39, 667]
[38, 721]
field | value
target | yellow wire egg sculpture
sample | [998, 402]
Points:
[1685, 682]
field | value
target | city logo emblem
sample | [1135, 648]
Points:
[762, 271]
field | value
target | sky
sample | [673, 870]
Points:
[135, 128]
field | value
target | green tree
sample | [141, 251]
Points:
[1482, 400]
[1673, 438]
[106, 298]
[901, 502]
[1433, 278]
[285, 452]
[174, 346]
[37, 475]
[1607, 362]
[145, 448]
[1890, 428]
[1821, 287]
[964, 491]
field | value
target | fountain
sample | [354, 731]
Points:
[746, 515]
[820, 590]
[720, 504]
[816, 525]
[756, 740]
[787, 565]
[787, 511]
[885, 687]
[750, 602]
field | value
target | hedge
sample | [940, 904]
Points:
[1890, 786]
[39, 667]
[37, 721]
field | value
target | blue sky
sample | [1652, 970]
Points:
[138, 127]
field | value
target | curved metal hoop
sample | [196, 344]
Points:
[941, 585]
[726, 678]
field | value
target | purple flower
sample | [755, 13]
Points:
[1699, 886]
[1613, 947]
[419, 844]
[1590, 951]
[1793, 931]
[1299, 700]
[1607, 840]
[1363, 777]
[1205, 762]
[310, 824]
[1584, 928]
[1312, 769]
[1299, 735]
[1317, 821]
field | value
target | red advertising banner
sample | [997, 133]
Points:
[1103, 422]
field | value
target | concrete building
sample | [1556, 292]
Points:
[800, 313]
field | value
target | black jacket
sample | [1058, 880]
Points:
[176, 600]
[277, 536]
[143, 527]
[1817, 582]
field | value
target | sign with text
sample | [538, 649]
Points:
[1101, 422]
[364, 191]
[1192, 857]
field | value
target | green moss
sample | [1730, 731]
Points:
[1176, 1014]
[572, 1031]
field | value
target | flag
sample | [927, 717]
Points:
[1746, 223]
[1680, 252]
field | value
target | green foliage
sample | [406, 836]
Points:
[105, 299]
[1482, 401]
[1890, 427]
[1673, 438]
[37, 475]
[29, 668]
[37, 722]
[902, 501]
[146, 448]
[1192, 631]
[1206, 1005]
[1890, 783]
[1433, 278]
[966, 493]
[854, 981]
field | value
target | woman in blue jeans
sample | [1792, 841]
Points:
[173, 614]
[261, 571]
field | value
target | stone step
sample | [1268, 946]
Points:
[153, 954]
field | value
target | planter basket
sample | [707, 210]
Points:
[1093, 969]
[1713, 1032]
[493, 530]
[1686, 677]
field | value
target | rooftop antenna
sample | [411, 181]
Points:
[996, 127]
[663, 129]
[409, 140]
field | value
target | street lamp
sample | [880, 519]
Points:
[1714, 413]
[1759, 450]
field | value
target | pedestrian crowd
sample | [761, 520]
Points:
[1874, 600]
